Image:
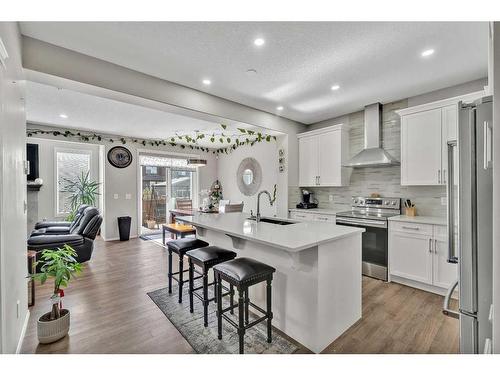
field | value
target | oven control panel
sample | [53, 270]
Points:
[367, 202]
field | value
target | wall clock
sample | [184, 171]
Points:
[119, 157]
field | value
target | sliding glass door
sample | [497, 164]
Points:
[166, 184]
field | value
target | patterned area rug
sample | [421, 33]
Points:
[204, 340]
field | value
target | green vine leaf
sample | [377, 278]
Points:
[223, 126]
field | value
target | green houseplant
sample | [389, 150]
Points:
[82, 191]
[61, 265]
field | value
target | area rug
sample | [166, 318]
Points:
[204, 339]
[156, 238]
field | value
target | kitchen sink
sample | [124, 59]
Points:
[272, 221]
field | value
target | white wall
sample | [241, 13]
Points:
[13, 267]
[46, 196]
[267, 156]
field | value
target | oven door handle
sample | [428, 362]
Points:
[368, 223]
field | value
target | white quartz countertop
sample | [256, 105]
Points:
[434, 220]
[293, 238]
[324, 211]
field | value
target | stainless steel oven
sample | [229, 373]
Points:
[371, 214]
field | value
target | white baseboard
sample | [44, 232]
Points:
[115, 238]
[423, 286]
[23, 332]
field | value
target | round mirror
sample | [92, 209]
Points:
[247, 176]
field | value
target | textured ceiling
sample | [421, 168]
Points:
[296, 66]
[45, 104]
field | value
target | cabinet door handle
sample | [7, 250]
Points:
[444, 176]
[435, 246]
[439, 176]
[412, 228]
[430, 245]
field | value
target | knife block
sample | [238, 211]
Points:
[411, 211]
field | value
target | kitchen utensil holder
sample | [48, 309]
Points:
[411, 211]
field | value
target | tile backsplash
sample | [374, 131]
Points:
[386, 180]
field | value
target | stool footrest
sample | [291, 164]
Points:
[246, 326]
[186, 281]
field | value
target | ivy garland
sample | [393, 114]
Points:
[246, 137]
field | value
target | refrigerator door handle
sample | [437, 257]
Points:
[446, 303]
[487, 145]
[452, 258]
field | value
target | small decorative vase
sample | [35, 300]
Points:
[52, 330]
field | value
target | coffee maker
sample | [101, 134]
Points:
[307, 200]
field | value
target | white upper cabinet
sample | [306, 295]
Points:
[308, 161]
[321, 156]
[426, 131]
[421, 148]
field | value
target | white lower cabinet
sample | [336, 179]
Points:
[301, 216]
[418, 253]
[411, 257]
[309, 216]
[443, 273]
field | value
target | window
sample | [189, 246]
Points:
[182, 184]
[151, 170]
[70, 164]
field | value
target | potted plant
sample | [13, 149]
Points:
[62, 266]
[82, 190]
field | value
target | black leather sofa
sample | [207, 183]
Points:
[80, 237]
[59, 227]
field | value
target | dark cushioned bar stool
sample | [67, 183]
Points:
[243, 273]
[181, 247]
[206, 258]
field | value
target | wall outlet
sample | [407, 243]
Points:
[444, 201]
[330, 198]
[115, 196]
[128, 196]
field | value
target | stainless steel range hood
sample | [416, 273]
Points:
[373, 155]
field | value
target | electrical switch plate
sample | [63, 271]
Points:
[128, 196]
[115, 196]
[330, 198]
[443, 201]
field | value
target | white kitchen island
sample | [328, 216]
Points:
[317, 284]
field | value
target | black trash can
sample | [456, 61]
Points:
[124, 227]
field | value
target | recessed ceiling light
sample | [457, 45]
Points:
[62, 115]
[335, 87]
[206, 82]
[279, 108]
[427, 52]
[259, 42]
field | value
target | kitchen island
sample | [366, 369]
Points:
[317, 284]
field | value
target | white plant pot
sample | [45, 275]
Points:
[51, 331]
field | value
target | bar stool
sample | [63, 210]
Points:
[206, 258]
[243, 273]
[181, 247]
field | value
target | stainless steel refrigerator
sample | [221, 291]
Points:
[470, 217]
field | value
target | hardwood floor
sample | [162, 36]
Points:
[399, 319]
[111, 312]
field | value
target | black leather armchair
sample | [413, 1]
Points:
[81, 237]
[59, 227]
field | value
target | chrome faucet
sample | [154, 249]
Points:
[271, 201]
